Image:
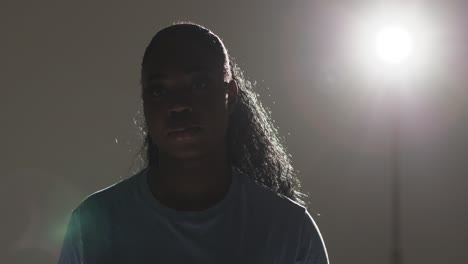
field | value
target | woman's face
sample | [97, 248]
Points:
[185, 97]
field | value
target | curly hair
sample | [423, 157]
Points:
[253, 142]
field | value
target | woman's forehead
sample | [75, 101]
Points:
[156, 77]
[160, 69]
[183, 55]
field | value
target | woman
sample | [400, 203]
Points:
[218, 186]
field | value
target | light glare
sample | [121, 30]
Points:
[393, 42]
[393, 45]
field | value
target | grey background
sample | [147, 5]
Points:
[69, 95]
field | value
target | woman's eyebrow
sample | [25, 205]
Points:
[189, 73]
[157, 76]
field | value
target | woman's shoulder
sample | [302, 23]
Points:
[263, 199]
[113, 195]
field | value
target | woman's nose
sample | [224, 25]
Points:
[179, 109]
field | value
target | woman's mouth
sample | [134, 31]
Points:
[184, 134]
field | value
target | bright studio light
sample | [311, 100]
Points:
[393, 45]
[391, 42]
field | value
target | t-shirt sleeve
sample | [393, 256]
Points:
[72, 247]
[311, 249]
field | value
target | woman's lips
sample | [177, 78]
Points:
[184, 133]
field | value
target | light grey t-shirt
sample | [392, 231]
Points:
[125, 223]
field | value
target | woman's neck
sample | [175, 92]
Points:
[191, 185]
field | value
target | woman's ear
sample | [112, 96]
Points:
[232, 92]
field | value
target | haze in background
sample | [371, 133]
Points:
[70, 93]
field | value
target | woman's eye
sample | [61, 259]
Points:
[157, 92]
[199, 86]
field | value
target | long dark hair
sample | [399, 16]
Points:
[253, 143]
